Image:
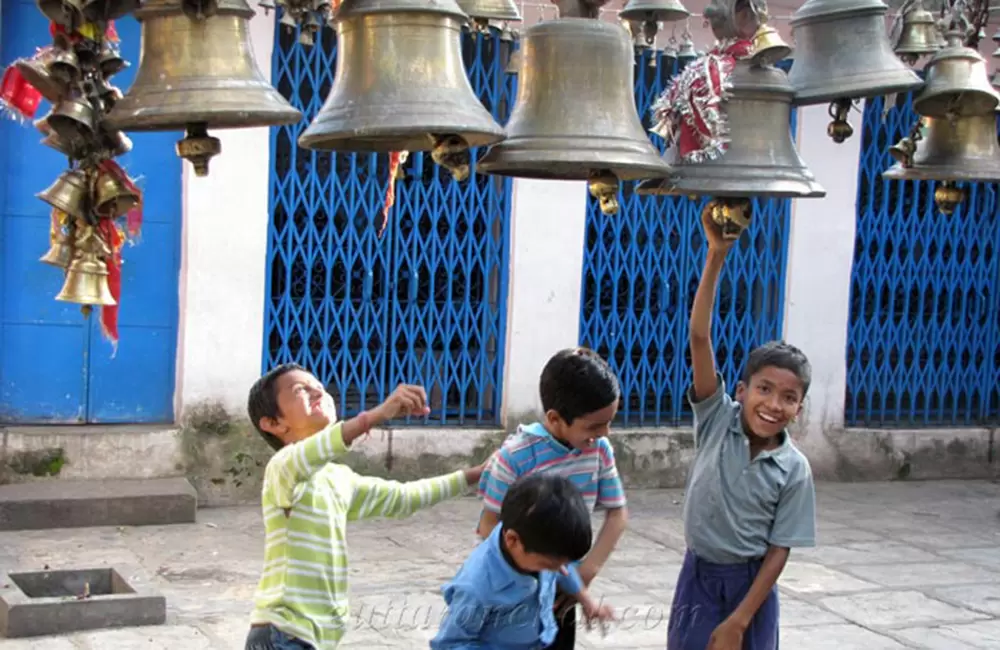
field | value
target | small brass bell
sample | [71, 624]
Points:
[651, 12]
[111, 63]
[575, 116]
[486, 10]
[844, 53]
[514, 62]
[951, 150]
[768, 46]
[87, 282]
[53, 141]
[65, 66]
[66, 13]
[919, 35]
[956, 83]
[117, 143]
[196, 74]
[73, 121]
[413, 96]
[113, 198]
[60, 251]
[69, 193]
[37, 73]
[761, 159]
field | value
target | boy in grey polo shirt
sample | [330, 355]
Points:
[750, 494]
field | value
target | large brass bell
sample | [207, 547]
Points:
[919, 35]
[761, 159]
[957, 83]
[575, 116]
[486, 10]
[411, 96]
[69, 193]
[197, 74]
[651, 12]
[949, 151]
[844, 53]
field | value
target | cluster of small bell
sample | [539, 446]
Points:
[308, 16]
[844, 54]
[955, 138]
[647, 15]
[74, 74]
[760, 159]
[197, 72]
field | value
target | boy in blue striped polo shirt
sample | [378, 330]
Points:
[580, 396]
[750, 495]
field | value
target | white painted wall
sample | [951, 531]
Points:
[548, 229]
[821, 251]
[224, 245]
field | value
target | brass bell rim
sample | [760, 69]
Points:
[863, 85]
[507, 11]
[758, 182]
[945, 173]
[820, 11]
[158, 8]
[154, 110]
[359, 9]
[655, 15]
[971, 103]
[358, 135]
[573, 158]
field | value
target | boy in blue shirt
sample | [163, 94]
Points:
[502, 598]
[750, 494]
[579, 394]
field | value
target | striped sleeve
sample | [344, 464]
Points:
[376, 497]
[296, 463]
[610, 492]
[497, 478]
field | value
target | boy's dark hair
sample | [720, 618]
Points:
[778, 354]
[577, 381]
[262, 402]
[549, 515]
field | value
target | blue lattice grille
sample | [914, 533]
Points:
[425, 302]
[640, 271]
[922, 347]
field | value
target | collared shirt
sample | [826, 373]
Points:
[735, 507]
[307, 501]
[532, 449]
[494, 606]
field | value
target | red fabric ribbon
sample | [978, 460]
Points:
[689, 113]
[113, 237]
[18, 98]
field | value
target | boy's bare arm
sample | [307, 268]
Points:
[487, 522]
[702, 354]
[615, 522]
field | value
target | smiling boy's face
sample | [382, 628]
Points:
[771, 400]
[306, 408]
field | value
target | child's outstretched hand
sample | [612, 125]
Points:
[405, 400]
[713, 231]
[600, 613]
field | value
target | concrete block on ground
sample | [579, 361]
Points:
[41, 505]
[42, 603]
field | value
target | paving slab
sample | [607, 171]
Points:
[923, 581]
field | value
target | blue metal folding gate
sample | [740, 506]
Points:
[924, 333]
[423, 303]
[640, 271]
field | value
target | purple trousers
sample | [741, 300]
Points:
[706, 594]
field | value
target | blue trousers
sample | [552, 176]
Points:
[706, 594]
[268, 637]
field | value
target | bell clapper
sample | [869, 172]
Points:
[603, 186]
[840, 129]
[452, 153]
[198, 148]
[731, 215]
[947, 197]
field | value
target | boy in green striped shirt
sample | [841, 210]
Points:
[307, 500]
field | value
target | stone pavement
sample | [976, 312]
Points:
[900, 565]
